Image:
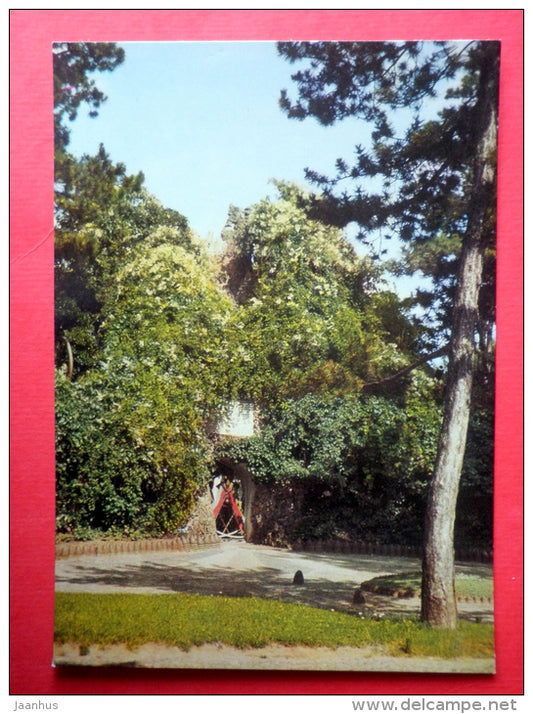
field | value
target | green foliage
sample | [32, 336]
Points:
[100, 211]
[170, 348]
[163, 374]
[167, 315]
[413, 179]
[74, 63]
[99, 475]
[186, 620]
[310, 318]
[474, 517]
[299, 325]
[365, 462]
[101, 215]
[108, 476]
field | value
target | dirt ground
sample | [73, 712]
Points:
[273, 657]
[241, 569]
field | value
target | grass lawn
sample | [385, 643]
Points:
[186, 620]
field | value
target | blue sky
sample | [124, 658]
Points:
[202, 121]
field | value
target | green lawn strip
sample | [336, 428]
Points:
[186, 620]
[466, 585]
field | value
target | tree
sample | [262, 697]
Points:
[310, 317]
[438, 582]
[416, 186]
[132, 431]
[102, 214]
[84, 190]
[74, 63]
[435, 178]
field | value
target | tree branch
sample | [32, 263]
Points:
[70, 368]
[405, 370]
[395, 62]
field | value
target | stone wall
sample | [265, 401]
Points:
[275, 520]
[201, 523]
[275, 512]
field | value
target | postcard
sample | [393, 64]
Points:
[275, 384]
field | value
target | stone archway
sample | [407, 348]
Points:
[240, 473]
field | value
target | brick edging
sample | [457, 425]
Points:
[109, 547]
[477, 555]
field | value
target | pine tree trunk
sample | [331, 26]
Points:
[439, 607]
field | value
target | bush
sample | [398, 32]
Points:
[107, 477]
[131, 432]
[98, 474]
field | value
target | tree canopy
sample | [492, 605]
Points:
[311, 317]
[74, 65]
[413, 179]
